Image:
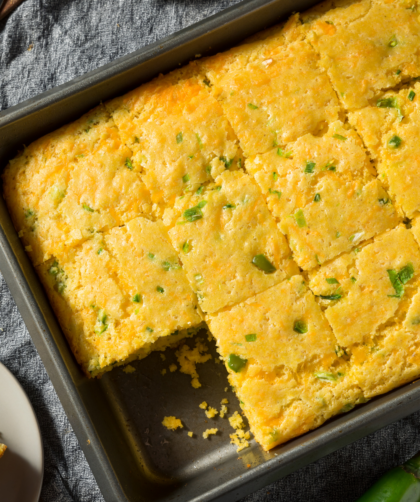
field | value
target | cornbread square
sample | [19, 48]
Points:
[390, 128]
[219, 232]
[367, 290]
[70, 184]
[323, 193]
[367, 47]
[178, 133]
[120, 295]
[281, 357]
[273, 96]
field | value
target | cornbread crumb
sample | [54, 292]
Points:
[163, 372]
[224, 400]
[226, 389]
[191, 434]
[203, 405]
[172, 423]
[240, 439]
[3, 448]
[211, 412]
[173, 367]
[162, 356]
[129, 369]
[236, 421]
[207, 432]
[189, 358]
[28, 249]
[223, 410]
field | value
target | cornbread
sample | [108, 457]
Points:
[189, 358]
[209, 432]
[366, 47]
[219, 232]
[373, 308]
[323, 193]
[178, 133]
[390, 128]
[294, 388]
[272, 190]
[71, 184]
[3, 449]
[113, 312]
[272, 94]
[172, 423]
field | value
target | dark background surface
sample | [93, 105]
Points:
[45, 43]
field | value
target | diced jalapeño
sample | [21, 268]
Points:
[262, 263]
[236, 363]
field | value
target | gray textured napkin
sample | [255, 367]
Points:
[45, 43]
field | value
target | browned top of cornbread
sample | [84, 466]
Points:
[73, 183]
[178, 133]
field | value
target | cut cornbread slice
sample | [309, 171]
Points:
[390, 128]
[323, 193]
[120, 295]
[178, 133]
[367, 47]
[363, 291]
[3, 449]
[272, 96]
[228, 242]
[280, 354]
[71, 184]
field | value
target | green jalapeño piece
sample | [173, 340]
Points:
[262, 263]
[236, 363]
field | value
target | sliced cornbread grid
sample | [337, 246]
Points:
[120, 295]
[371, 300]
[184, 195]
[323, 193]
[302, 382]
[178, 133]
[228, 241]
[77, 181]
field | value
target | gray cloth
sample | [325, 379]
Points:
[46, 43]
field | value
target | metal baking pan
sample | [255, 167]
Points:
[117, 419]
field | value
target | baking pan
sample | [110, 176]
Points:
[117, 419]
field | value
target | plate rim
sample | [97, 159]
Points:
[38, 428]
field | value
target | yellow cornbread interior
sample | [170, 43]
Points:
[272, 190]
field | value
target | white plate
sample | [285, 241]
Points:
[22, 466]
